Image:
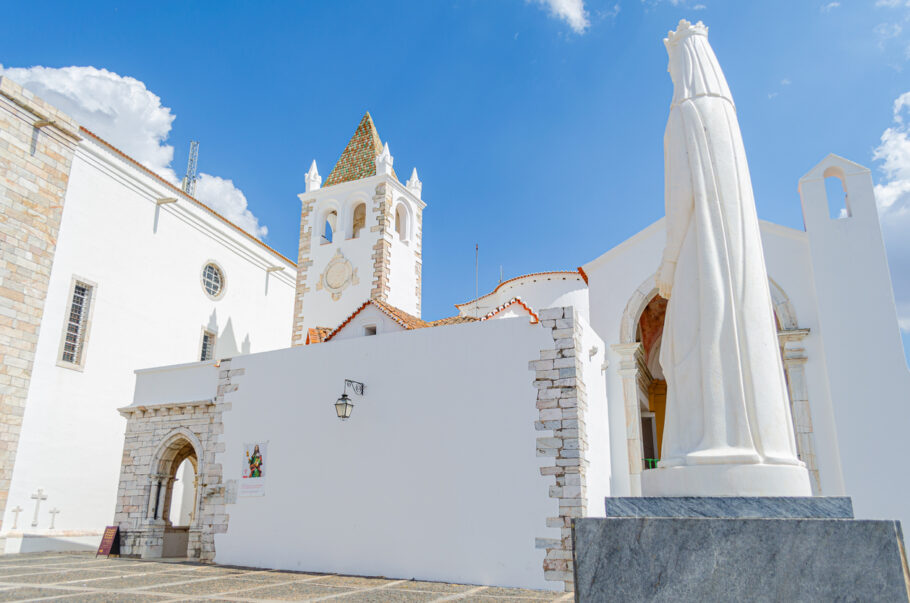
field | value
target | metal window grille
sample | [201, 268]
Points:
[212, 280]
[208, 346]
[74, 340]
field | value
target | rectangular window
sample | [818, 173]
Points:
[76, 327]
[369, 330]
[208, 346]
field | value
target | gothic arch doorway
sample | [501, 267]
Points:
[173, 495]
[645, 390]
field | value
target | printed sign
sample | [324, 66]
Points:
[255, 468]
[110, 542]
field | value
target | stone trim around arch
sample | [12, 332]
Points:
[793, 356]
[156, 436]
[168, 444]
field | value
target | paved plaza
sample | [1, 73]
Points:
[82, 577]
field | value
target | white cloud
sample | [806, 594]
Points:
[231, 203]
[892, 3]
[887, 31]
[571, 11]
[785, 82]
[892, 196]
[124, 112]
[827, 8]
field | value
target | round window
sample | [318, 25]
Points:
[212, 280]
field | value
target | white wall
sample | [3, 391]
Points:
[538, 291]
[599, 471]
[403, 276]
[183, 495]
[435, 476]
[866, 366]
[149, 309]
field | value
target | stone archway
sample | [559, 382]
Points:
[639, 384]
[162, 537]
[159, 437]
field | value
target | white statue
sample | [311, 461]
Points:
[727, 429]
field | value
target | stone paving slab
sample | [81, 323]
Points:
[205, 587]
[54, 577]
[296, 591]
[390, 596]
[141, 580]
[79, 577]
[112, 598]
[433, 587]
[31, 592]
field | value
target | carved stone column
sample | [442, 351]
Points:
[631, 367]
[794, 356]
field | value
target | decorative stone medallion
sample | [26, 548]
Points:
[338, 275]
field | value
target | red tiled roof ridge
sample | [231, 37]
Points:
[182, 192]
[408, 321]
[402, 318]
[515, 300]
[515, 278]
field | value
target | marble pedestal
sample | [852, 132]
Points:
[737, 549]
[726, 479]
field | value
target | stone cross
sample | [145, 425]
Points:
[16, 512]
[37, 497]
[53, 513]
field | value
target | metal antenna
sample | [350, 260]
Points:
[189, 181]
[500, 273]
[476, 265]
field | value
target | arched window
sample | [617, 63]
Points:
[328, 232]
[360, 220]
[401, 222]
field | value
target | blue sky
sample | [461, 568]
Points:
[536, 126]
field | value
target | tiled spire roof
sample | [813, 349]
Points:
[359, 158]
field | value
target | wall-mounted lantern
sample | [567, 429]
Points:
[344, 406]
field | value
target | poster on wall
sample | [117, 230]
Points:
[255, 467]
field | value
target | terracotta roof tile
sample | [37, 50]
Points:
[358, 160]
[452, 320]
[408, 321]
[317, 334]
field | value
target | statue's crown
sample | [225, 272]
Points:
[683, 31]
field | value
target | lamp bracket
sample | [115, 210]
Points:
[356, 386]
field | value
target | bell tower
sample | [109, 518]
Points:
[360, 236]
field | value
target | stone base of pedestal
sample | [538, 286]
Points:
[738, 549]
[727, 480]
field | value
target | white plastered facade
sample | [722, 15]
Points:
[148, 307]
[404, 424]
[468, 465]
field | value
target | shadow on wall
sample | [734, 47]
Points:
[37, 544]
[226, 341]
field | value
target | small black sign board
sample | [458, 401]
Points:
[110, 542]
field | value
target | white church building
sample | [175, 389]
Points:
[378, 443]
